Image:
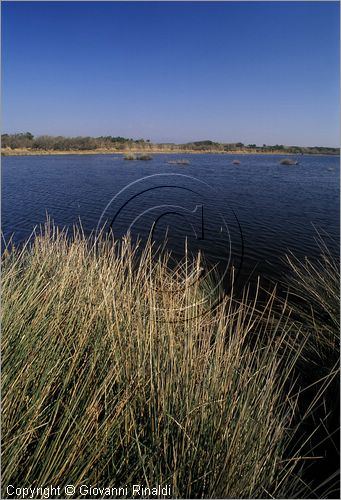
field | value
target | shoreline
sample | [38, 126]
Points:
[40, 152]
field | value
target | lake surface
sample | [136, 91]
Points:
[246, 215]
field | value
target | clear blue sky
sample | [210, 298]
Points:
[255, 72]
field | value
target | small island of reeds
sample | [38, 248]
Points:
[288, 161]
[143, 157]
[179, 162]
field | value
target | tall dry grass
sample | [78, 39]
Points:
[115, 370]
[314, 297]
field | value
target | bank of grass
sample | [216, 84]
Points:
[116, 371]
[153, 150]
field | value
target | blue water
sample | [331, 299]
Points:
[245, 215]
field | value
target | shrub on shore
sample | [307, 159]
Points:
[115, 370]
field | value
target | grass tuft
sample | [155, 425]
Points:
[116, 371]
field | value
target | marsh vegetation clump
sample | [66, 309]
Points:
[288, 161]
[143, 157]
[130, 156]
[179, 162]
[116, 367]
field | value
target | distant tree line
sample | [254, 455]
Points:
[239, 146]
[48, 142]
[61, 143]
